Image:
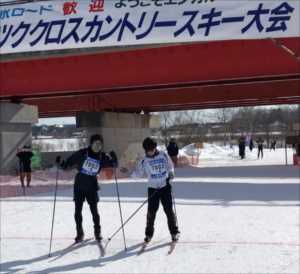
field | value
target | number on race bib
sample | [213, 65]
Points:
[90, 166]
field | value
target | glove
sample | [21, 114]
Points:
[171, 176]
[58, 159]
[114, 158]
[60, 163]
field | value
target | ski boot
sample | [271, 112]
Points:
[97, 234]
[79, 238]
[147, 239]
[98, 238]
[175, 237]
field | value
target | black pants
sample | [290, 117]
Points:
[165, 196]
[242, 152]
[91, 195]
[260, 152]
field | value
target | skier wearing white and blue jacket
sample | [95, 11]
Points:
[159, 169]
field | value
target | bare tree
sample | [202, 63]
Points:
[195, 132]
[185, 124]
[245, 120]
[224, 116]
[166, 121]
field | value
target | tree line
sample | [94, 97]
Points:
[228, 124]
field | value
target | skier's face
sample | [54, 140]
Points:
[150, 153]
[96, 146]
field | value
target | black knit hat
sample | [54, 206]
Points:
[149, 144]
[96, 137]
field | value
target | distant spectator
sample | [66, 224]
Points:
[251, 144]
[273, 145]
[260, 147]
[242, 146]
[297, 146]
[173, 150]
[25, 156]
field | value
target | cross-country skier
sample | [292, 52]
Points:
[158, 167]
[88, 162]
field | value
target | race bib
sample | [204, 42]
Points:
[158, 168]
[90, 167]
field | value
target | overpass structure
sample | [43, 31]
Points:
[165, 77]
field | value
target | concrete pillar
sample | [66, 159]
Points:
[122, 132]
[15, 131]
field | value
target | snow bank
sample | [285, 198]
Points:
[214, 155]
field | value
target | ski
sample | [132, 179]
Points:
[71, 247]
[172, 247]
[173, 243]
[101, 248]
[80, 242]
[144, 246]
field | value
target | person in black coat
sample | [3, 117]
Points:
[251, 144]
[260, 148]
[173, 151]
[273, 145]
[25, 156]
[242, 146]
[89, 162]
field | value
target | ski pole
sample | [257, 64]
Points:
[120, 209]
[54, 205]
[130, 217]
[22, 178]
[174, 205]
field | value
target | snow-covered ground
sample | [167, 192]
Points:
[61, 144]
[214, 155]
[233, 219]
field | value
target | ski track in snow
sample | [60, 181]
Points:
[239, 217]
